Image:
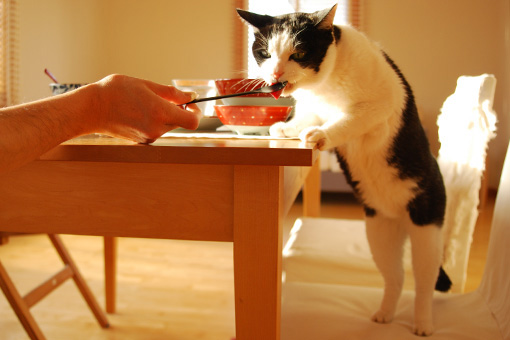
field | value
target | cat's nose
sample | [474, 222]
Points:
[277, 75]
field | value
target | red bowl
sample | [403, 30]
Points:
[230, 86]
[252, 115]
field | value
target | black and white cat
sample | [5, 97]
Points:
[352, 97]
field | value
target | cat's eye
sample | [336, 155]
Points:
[298, 56]
[264, 54]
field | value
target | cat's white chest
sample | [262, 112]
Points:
[376, 178]
[323, 102]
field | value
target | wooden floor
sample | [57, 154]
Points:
[166, 289]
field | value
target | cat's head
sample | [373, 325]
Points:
[296, 47]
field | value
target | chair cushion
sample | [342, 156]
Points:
[328, 311]
[322, 250]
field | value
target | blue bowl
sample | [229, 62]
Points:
[63, 88]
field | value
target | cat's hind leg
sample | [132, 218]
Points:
[386, 239]
[426, 248]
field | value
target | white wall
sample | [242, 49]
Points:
[85, 40]
[61, 36]
[436, 41]
[162, 40]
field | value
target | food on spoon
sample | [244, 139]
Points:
[277, 94]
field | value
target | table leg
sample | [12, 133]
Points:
[312, 191]
[110, 273]
[258, 192]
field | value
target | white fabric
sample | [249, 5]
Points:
[495, 285]
[312, 311]
[330, 311]
[466, 124]
[327, 250]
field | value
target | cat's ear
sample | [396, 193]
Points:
[256, 20]
[325, 18]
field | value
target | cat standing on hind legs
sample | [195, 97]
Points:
[351, 97]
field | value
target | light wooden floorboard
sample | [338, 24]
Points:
[166, 289]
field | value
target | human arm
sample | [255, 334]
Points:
[117, 105]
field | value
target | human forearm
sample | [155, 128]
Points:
[29, 130]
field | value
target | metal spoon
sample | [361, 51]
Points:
[265, 89]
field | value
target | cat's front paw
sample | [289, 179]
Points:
[423, 327]
[382, 316]
[315, 134]
[282, 129]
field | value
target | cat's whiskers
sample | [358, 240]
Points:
[295, 75]
[251, 85]
[263, 40]
[296, 42]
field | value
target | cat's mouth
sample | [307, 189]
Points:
[288, 89]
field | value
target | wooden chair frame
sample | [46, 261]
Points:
[22, 304]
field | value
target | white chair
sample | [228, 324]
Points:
[466, 125]
[331, 311]
[336, 250]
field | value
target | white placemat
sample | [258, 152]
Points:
[222, 135]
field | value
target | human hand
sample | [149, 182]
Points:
[141, 110]
[119, 106]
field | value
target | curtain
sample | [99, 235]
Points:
[8, 53]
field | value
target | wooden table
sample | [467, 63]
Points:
[177, 188]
